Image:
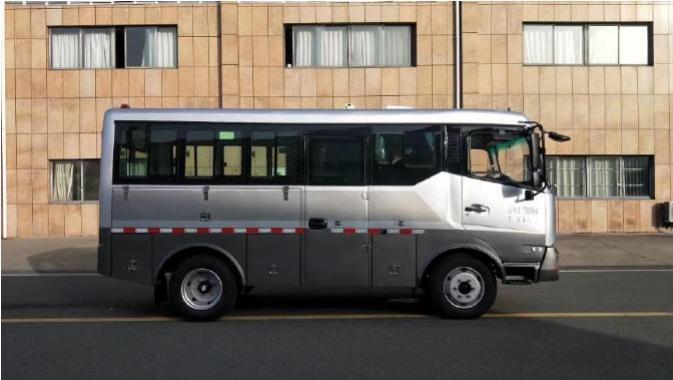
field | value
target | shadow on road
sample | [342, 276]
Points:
[63, 260]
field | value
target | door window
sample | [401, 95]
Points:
[405, 157]
[336, 161]
[500, 156]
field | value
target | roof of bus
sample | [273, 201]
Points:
[304, 116]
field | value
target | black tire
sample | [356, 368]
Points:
[216, 269]
[465, 265]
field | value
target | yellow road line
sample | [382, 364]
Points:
[340, 317]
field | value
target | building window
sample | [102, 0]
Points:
[349, 45]
[600, 176]
[74, 180]
[113, 47]
[587, 44]
[150, 46]
[89, 48]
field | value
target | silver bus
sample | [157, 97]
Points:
[205, 205]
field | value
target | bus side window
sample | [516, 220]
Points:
[261, 154]
[199, 154]
[133, 152]
[336, 162]
[163, 153]
[274, 156]
[405, 157]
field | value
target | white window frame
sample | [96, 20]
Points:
[585, 43]
[80, 163]
[621, 185]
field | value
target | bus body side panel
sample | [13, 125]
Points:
[131, 257]
[273, 260]
[404, 214]
[270, 217]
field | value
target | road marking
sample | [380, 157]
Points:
[342, 317]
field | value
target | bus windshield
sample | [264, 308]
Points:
[501, 156]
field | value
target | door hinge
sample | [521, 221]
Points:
[125, 189]
[206, 190]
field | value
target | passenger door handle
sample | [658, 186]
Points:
[317, 224]
[475, 207]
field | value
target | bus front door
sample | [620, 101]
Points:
[335, 242]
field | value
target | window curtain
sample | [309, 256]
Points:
[603, 177]
[568, 45]
[603, 44]
[63, 181]
[150, 47]
[303, 43]
[365, 46]
[397, 46]
[65, 48]
[538, 44]
[97, 48]
[633, 45]
[332, 46]
[165, 47]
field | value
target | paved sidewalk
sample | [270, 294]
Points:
[606, 250]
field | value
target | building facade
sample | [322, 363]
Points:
[66, 64]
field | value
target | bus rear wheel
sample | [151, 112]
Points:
[202, 288]
[462, 286]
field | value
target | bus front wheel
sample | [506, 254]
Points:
[202, 288]
[462, 286]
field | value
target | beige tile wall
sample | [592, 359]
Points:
[57, 114]
[54, 114]
[239, 62]
[605, 109]
[253, 63]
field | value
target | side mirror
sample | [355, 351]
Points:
[537, 179]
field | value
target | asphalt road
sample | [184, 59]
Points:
[608, 324]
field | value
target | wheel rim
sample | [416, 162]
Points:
[464, 287]
[201, 288]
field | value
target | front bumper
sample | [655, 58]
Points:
[549, 268]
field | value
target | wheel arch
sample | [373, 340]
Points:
[171, 260]
[489, 258]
